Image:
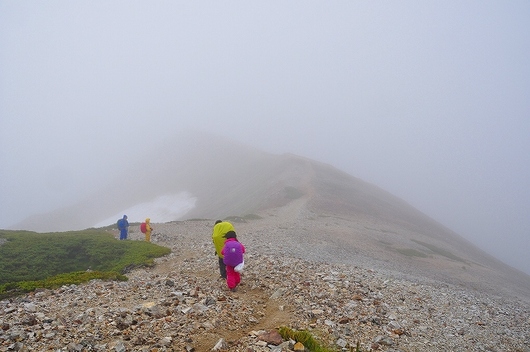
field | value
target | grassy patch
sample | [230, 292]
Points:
[310, 343]
[381, 230]
[252, 217]
[305, 338]
[410, 252]
[15, 288]
[235, 218]
[243, 219]
[293, 193]
[440, 251]
[30, 260]
[388, 231]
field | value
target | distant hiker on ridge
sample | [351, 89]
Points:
[123, 226]
[233, 259]
[219, 231]
[145, 227]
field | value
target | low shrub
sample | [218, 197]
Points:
[309, 342]
[305, 338]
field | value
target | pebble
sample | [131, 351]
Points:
[181, 305]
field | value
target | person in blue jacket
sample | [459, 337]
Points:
[123, 226]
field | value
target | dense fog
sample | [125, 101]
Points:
[426, 100]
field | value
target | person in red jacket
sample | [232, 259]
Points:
[233, 259]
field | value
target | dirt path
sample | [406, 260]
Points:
[261, 311]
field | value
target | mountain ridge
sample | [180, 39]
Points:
[229, 179]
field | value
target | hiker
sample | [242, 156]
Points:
[148, 230]
[123, 226]
[233, 259]
[219, 231]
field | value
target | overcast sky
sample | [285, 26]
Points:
[429, 100]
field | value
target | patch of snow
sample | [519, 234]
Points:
[161, 209]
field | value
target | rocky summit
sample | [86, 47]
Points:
[292, 278]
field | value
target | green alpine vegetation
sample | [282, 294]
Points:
[309, 342]
[440, 251]
[30, 260]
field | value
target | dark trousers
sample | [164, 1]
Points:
[222, 268]
[123, 234]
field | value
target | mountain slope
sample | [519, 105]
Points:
[347, 218]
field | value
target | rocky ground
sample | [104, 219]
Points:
[181, 304]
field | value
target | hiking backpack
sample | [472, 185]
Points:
[143, 227]
[233, 253]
